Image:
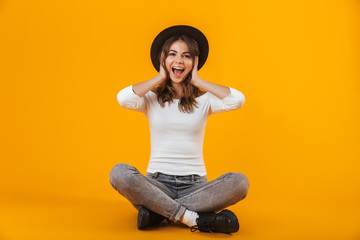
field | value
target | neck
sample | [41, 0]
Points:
[178, 89]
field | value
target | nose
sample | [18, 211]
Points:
[178, 59]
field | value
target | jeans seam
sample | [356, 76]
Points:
[175, 216]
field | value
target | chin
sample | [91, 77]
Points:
[176, 80]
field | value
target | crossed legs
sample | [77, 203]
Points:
[210, 196]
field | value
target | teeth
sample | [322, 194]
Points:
[181, 69]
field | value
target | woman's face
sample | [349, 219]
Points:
[179, 62]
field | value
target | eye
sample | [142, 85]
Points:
[171, 54]
[187, 56]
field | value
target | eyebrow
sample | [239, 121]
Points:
[176, 51]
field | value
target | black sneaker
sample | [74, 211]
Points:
[222, 222]
[147, 218]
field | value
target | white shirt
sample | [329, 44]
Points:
[177, 138]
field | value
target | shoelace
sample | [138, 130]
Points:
[195, 228]
[202, 222]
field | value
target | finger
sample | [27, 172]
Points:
[195, 63]
[162, 56]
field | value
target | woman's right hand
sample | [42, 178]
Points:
[142, 88]
[162, 72]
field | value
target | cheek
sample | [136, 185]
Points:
[167, 63]
[189, 65]
[168, 67]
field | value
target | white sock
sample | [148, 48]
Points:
[189, 218]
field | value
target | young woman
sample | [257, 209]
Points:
[177, 104]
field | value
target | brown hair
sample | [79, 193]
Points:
[165, 91]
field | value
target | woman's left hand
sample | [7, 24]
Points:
[194, 73]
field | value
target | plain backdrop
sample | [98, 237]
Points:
[297, 137]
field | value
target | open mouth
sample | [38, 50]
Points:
[177, 71]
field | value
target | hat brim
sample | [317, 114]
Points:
[192, 32]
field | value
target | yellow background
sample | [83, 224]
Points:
[297, 137]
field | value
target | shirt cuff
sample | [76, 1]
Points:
[235, 99]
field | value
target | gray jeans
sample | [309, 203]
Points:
[170, 195]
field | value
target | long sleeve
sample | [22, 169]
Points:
[127, 98]
[234, 100]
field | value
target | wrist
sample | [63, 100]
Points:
[160, 79]
[197, 82]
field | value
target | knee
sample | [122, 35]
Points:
[240, 184]
[121, 174]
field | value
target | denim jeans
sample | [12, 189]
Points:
[170, 195]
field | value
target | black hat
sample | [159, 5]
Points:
[192, 32]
